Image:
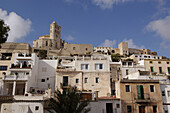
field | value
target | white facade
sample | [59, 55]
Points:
[24, 105]
[140, 57]
[165, 89]
[101, 106]
[47, 74]
[128, 67]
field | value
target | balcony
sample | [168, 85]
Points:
[20, 66]
[15, 77]
[143, 99]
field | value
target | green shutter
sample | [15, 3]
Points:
[168, 69]
[138, 92]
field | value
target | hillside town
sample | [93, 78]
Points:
[115, 80]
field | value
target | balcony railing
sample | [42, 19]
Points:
[18, 66]
[145, 98]
[15, 77]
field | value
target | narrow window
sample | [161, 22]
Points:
[77, 80]
[163, 93]
[151, 62]
[152, 89]
[168, 93]
[160, 69]
[129, 109]
[85, 80]
[97, 79]
[169, 70]
[127, 71]
[155, 109]
[151, 69]
[127, 88]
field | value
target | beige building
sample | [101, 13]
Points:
[157, 66]
[48, 43]
[123, 46]
[77, 49]
[11, 47]
[140, 96]
[86, 73]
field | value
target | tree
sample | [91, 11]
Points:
[68, 101]
[4, 29]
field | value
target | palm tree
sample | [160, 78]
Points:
[68, 101]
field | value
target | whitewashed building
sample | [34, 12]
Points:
[85, 72]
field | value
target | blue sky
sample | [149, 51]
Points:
[143, 23]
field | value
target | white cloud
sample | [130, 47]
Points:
[108, 43]
[19, 27]
[132, 45]
[160, 27]
[69, 38]
[104, 4]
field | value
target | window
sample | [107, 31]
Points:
[166, 111]
[65, 81]
[159, 62]
[98, 66]
[152, 89]
[163, 93]
[150, 62]
[77, 80]
[86, 49]
[47, 78]
[129, 109]
[151, 69]
[117, 105]
[127, 88]
[168, 93]
[42, 80]
[169, 70]
[167, 62]
[97, 79]
[85, 80]
[74, 48]
[36, 108]
[3, 68]
[129, 63]
[160, 69]
[84, 66]
[127, 71]
[155, 109]
[123, 63]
